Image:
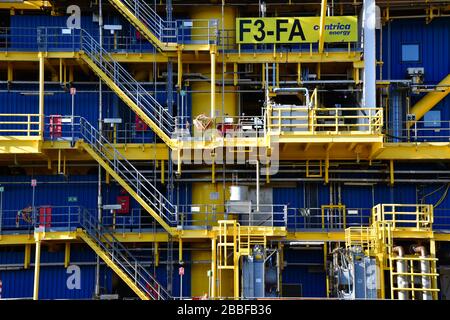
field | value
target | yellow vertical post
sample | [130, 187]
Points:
[59, 161]
[299, 73]
[162, 172]
[434, 284]
[277, 75]
[67, 255]
[37, 266]
[213, 82]
[10, 71]
[235, 74]
[41, 94]
[325, 250]
[179, 161]
[391, 172]
[213, 267]
[61, 71]
[180, 250]
[26, 263]
[323, 11]
[263, 78]
[213, 169]
[156, 254]
[327, 165]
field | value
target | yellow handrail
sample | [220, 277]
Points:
[29, 124]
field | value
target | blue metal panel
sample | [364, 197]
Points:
[434, 44]
[18, 282]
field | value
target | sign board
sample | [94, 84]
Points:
[2, 189]
[72, 199]
[295, 30]
[181, 271]
[33, 182]
[73, 91]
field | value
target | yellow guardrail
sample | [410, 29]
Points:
[304, 120]
[12, 124]
[416, 216]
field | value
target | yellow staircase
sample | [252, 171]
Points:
[131, 179]
[143, 17]
[119, 259]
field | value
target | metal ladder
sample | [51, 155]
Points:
[113, 252]
[141, 187]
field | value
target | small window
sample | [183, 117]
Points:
[432, 119]
[410, 53]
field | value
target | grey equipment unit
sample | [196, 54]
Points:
[353, 275]
[253, 274]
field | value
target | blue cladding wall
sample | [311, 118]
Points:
[311, 276]
[434, 52]
[18, 282]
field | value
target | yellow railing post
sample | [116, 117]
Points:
[41, 94]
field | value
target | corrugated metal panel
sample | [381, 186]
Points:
[18, 282]
[53, 283]
[434, 42]
[312, 278]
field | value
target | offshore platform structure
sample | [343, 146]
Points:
[163, 150]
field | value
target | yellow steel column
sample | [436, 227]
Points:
[323, 11]
[26, 263]
[37, 266]
[180, 250]
[67, 255]
[41, 94]
[10, 71]
[391, 172]
[213, 82]
[213, 267]
[156, 254]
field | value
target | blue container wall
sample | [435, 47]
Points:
[434, 51]
[305, 267]
[55, 190]
[356, 197]
[55, 281]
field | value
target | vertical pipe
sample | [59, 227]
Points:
[213, 267]
[369, 24]
[100, 128]
[37, 266]
[41, 94]
[402, 268]
[424, 268]
[213, 82]
[257, 186]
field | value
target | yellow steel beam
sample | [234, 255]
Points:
[323, 13]
[25, 5]
[431, 99]
[19, 145]
[190, 58]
